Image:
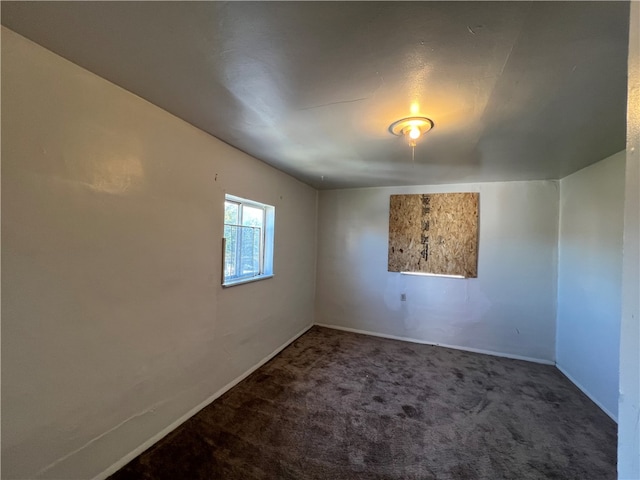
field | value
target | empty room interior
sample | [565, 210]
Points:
[320, 240]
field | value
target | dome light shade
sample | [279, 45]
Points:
[411, 127]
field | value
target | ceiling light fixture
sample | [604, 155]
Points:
[412, 128]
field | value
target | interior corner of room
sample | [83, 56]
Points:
[116, 327]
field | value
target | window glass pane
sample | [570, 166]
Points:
[230, 253]
[252, 216]
[231, 212]
[250, 252]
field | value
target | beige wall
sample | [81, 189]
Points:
[114, 323]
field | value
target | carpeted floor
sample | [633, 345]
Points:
[337, 405]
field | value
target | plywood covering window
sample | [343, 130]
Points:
[248, 240]
[434, 234]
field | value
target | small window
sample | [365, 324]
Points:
[248, 240]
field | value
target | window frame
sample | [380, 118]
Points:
[265, 255]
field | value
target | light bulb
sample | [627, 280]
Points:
[414, 133]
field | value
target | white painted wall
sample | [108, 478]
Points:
[114, 323]
[589, 279]
[629, 404]
[509, 309]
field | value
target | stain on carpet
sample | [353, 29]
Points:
[338, 405]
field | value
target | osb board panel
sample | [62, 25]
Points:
[434, 233]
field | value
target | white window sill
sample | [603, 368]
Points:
[240, 281]
[421, 274]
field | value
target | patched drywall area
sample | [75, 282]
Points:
[508, 309]
[589, 278]
[114, 321]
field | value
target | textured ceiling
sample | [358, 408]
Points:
[517, 90]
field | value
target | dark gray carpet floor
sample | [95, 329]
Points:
[338, 405]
